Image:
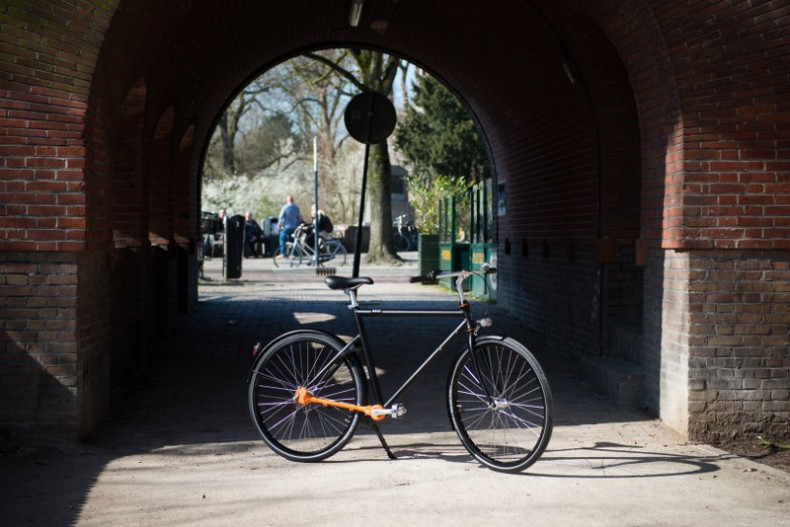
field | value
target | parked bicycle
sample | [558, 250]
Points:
[300, 250]
[307, 390]
[405, 234]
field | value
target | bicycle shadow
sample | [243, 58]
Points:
[602, 460]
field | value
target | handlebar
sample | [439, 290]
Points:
[432, 276]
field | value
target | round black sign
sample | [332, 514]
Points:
[370, 118]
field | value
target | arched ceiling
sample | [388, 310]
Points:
[196, 55]
[539, 77]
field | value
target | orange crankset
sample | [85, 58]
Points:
[375, 412]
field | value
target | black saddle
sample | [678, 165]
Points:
[345, 283]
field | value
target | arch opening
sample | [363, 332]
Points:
[566, 151]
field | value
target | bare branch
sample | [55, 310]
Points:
[338, 69]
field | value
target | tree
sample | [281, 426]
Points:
[439, 139]
[266, 132]
[372, 71]
[312, 91]
[249, 137]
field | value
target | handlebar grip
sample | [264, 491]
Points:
[428, 277]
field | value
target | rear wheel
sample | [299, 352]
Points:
[401, 243]
[336, 253]
[278, 258]
[305, 359]
[297, 255]
[510, 431]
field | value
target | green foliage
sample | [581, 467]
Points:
[439, 139]
[425, 194]
[438, 136]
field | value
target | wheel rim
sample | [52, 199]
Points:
[296, 430]
[513, 430]
[339, 253]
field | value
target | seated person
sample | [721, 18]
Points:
[253, 234]
[325, 228]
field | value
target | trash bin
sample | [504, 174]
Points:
[428, 247]
[234, 247]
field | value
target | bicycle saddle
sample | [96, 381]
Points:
[344, 282]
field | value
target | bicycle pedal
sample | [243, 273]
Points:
[398, 410]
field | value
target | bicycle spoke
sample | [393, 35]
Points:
[499, 399]
[307, 432]
[511, 429]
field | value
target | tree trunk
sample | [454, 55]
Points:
[375, 73]
[382, 246]
[228, 156]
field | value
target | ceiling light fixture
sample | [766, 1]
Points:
[356, 12]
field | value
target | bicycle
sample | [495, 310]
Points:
[297, 251]
[405, 234]
[307, 390]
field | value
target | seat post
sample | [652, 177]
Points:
[352, 298]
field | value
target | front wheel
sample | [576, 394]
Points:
[510, 430]
[305, 359]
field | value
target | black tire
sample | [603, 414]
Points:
[295, 259]
[280, 262]
[512, 433]
[308, 432]
[337, 253]
[401, 243]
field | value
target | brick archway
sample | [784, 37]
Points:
[642, 148]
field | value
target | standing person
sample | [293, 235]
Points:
[290, 217]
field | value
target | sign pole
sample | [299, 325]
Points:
[315, 200]
[370, 119]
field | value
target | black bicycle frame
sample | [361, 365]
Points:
[467, 325]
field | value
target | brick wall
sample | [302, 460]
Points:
[554, 291]
[665, 354]
[39, 363]
[717, 341]
[739, 326]
[671, 129]
[736, 155]
[567, 243]
[44, 87]
[53, 361]
[94, 333]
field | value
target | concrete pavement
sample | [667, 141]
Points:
[181, 450]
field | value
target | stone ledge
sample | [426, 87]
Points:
[621, 381]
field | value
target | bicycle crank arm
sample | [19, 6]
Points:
[375, 411]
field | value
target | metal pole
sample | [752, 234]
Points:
[315, 199]
[358, 241]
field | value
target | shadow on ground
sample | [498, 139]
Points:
[192, 404]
